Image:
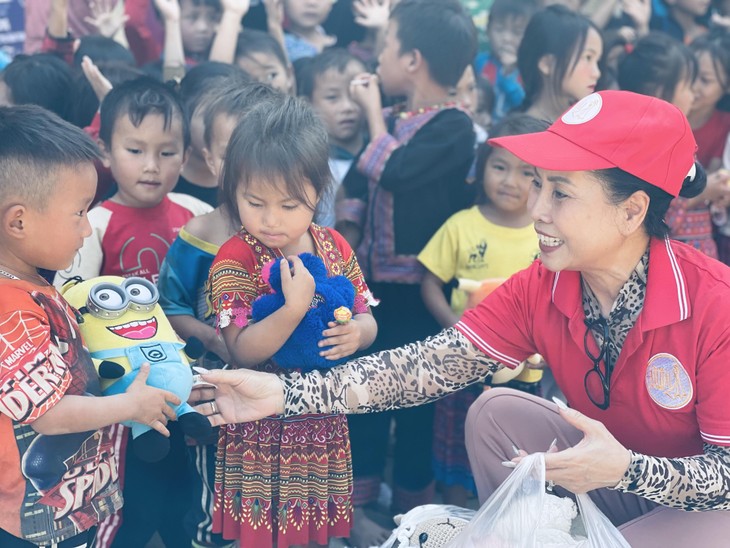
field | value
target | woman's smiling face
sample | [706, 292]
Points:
[576, 223]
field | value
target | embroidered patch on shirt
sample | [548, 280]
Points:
[667, 382]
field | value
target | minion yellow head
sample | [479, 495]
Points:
[118, 312]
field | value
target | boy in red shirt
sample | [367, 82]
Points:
[145, 135]
[57, 460]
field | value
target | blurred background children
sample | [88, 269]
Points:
[663, 67]
[324, 81]
[505, 29]
[710, 121]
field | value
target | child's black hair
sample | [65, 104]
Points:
[42, 79]
[512, 124]
[312, 67]
[281, 139]
[234, 99]
[557, 31]
[101, 49]
[138, 98]
[203, 77]
[443, 33]
[256, 41]
[505, 9]
[35, 144]
[717, 44]
[656, 64]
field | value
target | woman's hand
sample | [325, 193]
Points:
[345, 340]
[597, 461]
[240, 395]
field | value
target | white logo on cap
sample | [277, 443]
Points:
[584, 110]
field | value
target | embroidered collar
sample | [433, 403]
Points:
[400, 111]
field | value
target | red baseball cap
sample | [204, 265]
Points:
[642, 135]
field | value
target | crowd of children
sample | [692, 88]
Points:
[193, 142]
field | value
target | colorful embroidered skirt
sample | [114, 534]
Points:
[284, 481]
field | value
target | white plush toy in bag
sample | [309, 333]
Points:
[428, 526]
[521, 514]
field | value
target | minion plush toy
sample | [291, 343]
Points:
[123, 327]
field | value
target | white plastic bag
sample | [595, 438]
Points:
[520, 514]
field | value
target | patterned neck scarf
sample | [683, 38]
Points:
[624, 313]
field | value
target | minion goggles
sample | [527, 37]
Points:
[109, 301]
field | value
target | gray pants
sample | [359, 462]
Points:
[502, 418]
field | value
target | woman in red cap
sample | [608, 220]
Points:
[634, 326]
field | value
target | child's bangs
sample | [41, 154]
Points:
[274, 166]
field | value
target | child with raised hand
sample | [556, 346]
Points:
[231, 29]
[304, 36]
[198, 22]
[324, 81]
[144, 134]
[372, 15]
[491, 240]
[281, 482]
[416, 165]
[505, 28]
[183, 283]
[558, 61]
[58, 463]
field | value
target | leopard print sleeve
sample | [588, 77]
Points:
[695, 483]
[403, 377]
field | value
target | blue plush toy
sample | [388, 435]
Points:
[300, 351]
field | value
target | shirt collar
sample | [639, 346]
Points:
[666, 299]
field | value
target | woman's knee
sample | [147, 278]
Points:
[495, 403]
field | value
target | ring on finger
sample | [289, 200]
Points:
[213, 408]
[550, 486]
